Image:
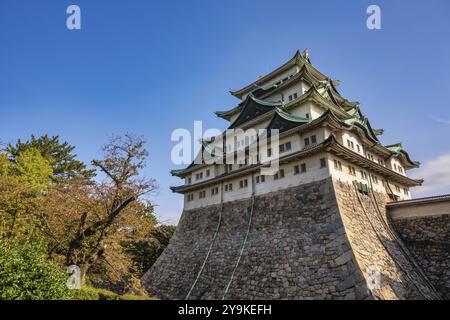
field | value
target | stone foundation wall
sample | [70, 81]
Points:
[428, 239]
[307, 242]
[377, 247]
[296, 249]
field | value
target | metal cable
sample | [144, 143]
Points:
[245, 239]
[210, 246]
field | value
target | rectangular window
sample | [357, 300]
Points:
[288, 146]
[296, 169]
[269, 152]
[189, 181]
[363, 175]
[358, 148]
[281, 148]
[374, 179]
[352, 170]
[306, 141]
[313, 139]
[290, 97]
[208, 173]
[243, 184]
[295, 95]
[323, 163]
[281, 173]
[350, 145]
[307, 116]
[303, 168]
[337, 165]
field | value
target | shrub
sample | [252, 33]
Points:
[26, 273]
[107, 295]
[85, 293]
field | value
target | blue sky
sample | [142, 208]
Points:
[150, 67]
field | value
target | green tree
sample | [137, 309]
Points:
[33, 169]
[21, 186]
[26, 273]
[5, 165]
[59, 154]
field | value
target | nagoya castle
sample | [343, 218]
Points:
[335, 220]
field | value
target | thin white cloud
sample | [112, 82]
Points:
[436, 174]
[440, 120]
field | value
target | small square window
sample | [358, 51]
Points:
[323, 163]
[288, 146]
[337, 165]
[303, 168]
[307, 142]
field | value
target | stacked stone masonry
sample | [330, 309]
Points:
[428, 239]
[313, 241]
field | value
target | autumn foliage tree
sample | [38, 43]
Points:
[100, 218]
[84, 218]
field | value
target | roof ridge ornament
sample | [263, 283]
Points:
[306, 54]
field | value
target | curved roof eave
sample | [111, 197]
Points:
[262, 103]
[297, 59]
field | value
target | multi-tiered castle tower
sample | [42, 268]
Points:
[316, 227]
